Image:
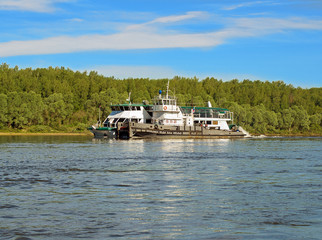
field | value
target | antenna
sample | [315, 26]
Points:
[129, 99]
[168, 89]
[99, 116]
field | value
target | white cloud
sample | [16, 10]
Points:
[276, 24]
[167, 20]
[245, 4]
[154, 38]
[178, 18]
[158, 72]
[75, 20]
[121, 72]
[119, 41]
[30, 5]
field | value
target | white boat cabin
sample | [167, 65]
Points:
[123, 113]
[165, 111]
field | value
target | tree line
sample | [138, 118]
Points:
[59, 98]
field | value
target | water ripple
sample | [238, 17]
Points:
[73, 188]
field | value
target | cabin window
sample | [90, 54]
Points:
[215, 122]
[113, 122]
[209, 122]
[165, 102]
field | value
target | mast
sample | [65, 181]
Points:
[129, 99]
[168, 89]
[99, 116]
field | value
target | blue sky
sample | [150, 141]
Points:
[267, 40]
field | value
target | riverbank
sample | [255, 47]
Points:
[87, 133]
[294, 135]
[45, 134]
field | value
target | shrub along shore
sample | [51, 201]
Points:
[59, 100]
[43, 134]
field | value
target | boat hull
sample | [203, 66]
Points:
[162, 131]
[104, 133]
[142, 130]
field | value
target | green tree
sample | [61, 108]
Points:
[3, 110]
[286, 119]
[301, 118]
[315, 121]
[57, 111]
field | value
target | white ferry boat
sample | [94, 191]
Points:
[166, 119]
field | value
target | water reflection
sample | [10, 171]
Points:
[167, 189]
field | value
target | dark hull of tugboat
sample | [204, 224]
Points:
[103, 133]
[110, 133]
[140, 130]
[214, 135]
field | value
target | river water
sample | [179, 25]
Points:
[80, 188]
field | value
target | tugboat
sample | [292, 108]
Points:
[166, 119]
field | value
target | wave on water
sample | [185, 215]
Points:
[248, 135]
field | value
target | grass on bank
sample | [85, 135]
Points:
[79, 129]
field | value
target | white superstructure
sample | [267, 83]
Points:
[165, 115]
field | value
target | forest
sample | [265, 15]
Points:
[59, 99]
